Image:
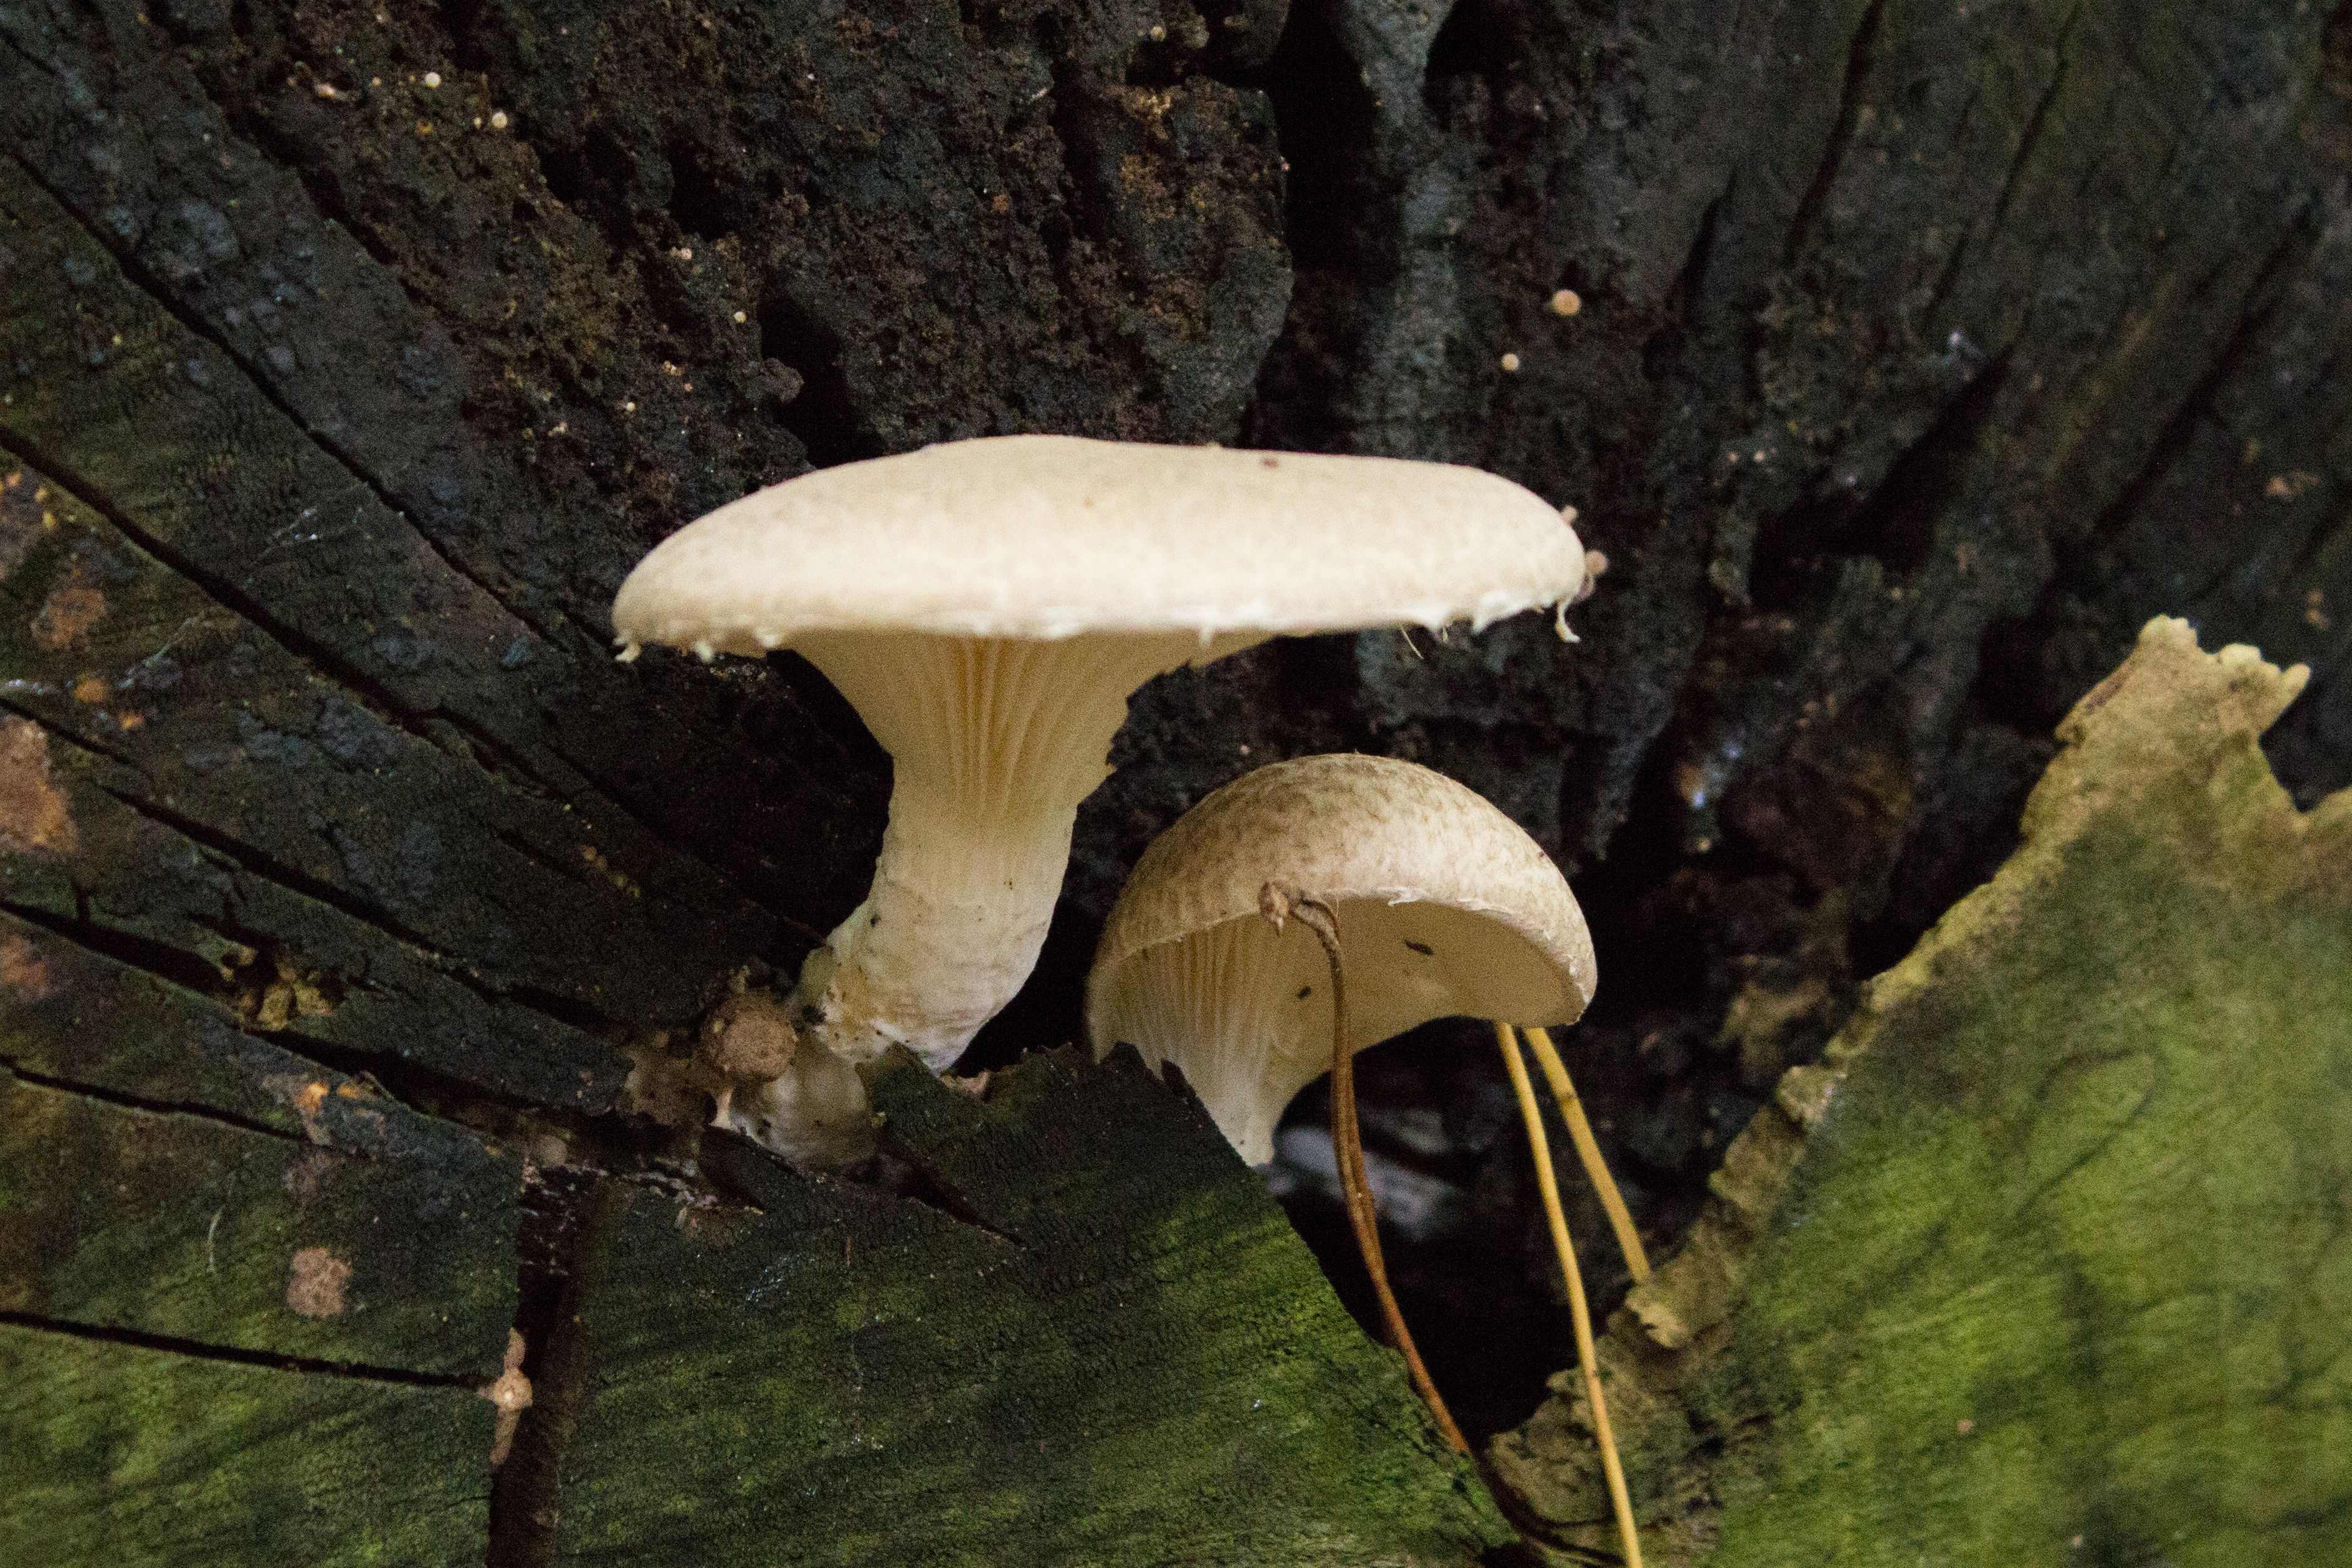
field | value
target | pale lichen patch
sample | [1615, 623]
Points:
[23, 972]
[316, 1283]
[65, 616]
[305, 1096]
[32, 812]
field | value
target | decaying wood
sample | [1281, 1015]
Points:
[349, 355]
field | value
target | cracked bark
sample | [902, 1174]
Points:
[1921, 355]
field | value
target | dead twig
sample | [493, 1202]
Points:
[1588, 1150]
[1587, 1358]
[1278, 903]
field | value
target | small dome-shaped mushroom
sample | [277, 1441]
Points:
[988, 606]
[1445, 906]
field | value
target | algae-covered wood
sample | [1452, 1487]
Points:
[179, 1226]
[119, 1454]
[1097, 1341]
[352, 353]
[2050, 1261]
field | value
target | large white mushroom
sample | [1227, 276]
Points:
[988, 606]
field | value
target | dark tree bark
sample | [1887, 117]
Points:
[349, 356]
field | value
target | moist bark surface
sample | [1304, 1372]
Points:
[350, 356]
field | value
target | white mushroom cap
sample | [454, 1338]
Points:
[1044, 537]
[1445, 908]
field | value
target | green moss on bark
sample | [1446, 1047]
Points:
[1100, 1343]
[2061, 1272]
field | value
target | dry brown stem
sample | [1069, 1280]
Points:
[1586, 1359]
[1278, 903]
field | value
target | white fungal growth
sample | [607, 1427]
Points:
[993, 742]
[988, 606]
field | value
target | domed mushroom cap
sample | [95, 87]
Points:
[1445, 908]
[1049, 536]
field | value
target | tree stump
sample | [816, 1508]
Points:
[1902, 359]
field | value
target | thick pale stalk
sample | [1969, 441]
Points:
[952, 927]
[992, 743]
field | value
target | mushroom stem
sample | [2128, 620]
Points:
[1588, 1150]
[993, 742]
[1278, 902]
[949, 930]
[1586, 1356]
